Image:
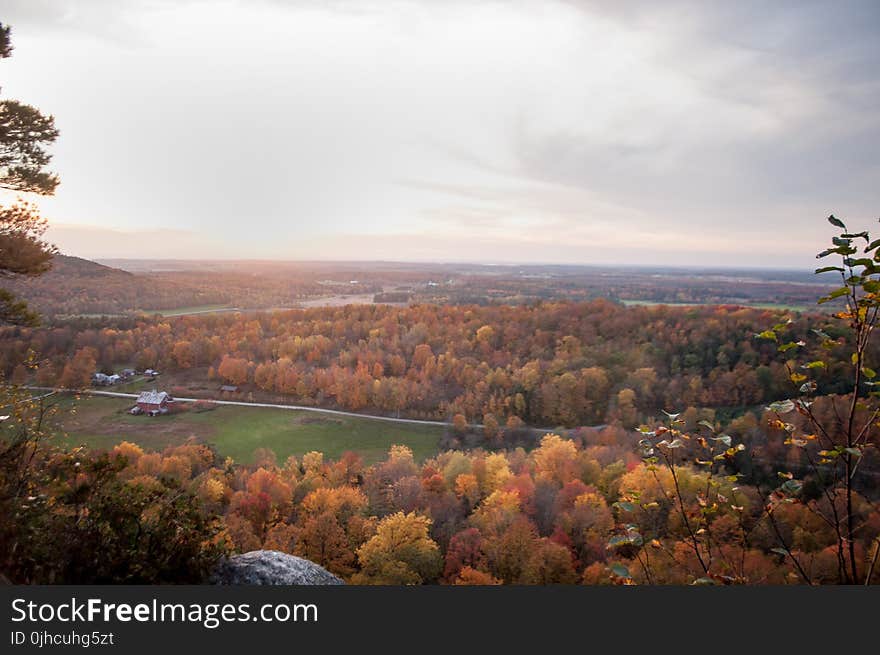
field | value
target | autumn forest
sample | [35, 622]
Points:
[655, 421]
[540, 476]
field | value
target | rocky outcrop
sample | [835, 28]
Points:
[270, 567]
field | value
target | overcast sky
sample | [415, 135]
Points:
[537, 131]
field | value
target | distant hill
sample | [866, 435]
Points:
[78, 287]
[67, 265]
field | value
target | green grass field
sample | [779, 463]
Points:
[758, 305]
[653, 303]
[786, 307]
[198, 309]
[134, 385]
[237, 431]
[170, 313]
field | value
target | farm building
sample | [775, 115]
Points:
[152, 403]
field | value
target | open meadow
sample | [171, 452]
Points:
[237, 432]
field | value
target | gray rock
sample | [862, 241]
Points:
[270, 567]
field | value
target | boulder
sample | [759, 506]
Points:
[270, 567]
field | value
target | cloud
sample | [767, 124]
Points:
[542, 130]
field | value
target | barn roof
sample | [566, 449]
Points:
[153, 397]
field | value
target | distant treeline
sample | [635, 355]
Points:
[76, 287]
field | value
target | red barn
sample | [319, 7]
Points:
[154, 402]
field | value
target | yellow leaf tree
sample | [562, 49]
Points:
[401, 552]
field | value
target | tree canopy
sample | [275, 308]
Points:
[24, 135]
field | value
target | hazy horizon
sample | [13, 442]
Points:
[534, 132]
[110, 261]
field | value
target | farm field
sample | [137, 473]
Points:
[237, 432]
[196, 309]
[765, 305]
[339, 301]
[166, 313]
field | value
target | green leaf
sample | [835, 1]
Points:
[828, 269]
[706, 424]
[855, 452]
[781, 406]
[837, 293]
[632, 538]
[815, 364]
[635, 538]
[808, 387]
[620, 571]
[625, 506]
[869, 373]
[725, 439]
[836, 222]
[767, 334]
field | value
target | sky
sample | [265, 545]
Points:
[678, 133]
